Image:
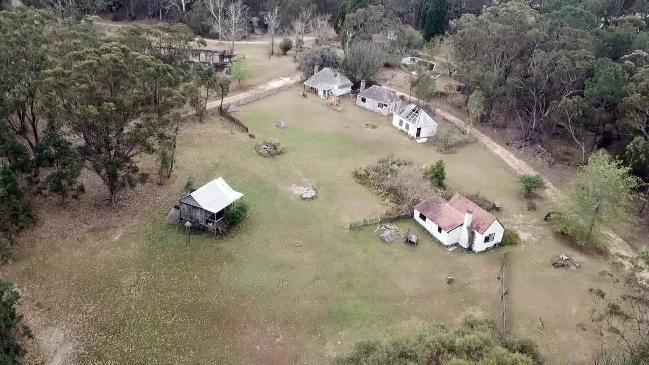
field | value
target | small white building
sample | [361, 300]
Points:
[206, 206]
[459, 221]
[327, 83]
[415, 122]
[379, 99]
[412, 61]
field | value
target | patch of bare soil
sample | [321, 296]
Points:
[59, 325]
[271, 346]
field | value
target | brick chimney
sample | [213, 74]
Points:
[363, 82]
[468, 219]
[316, 68]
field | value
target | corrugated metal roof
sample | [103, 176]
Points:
[213, 196]
[416, 116]
[327, 79]
[381, 94]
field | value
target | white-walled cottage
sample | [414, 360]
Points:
[379, 99]
[415, 122]
[327, 83]
[459, 221]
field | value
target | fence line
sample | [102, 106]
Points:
[362, 222]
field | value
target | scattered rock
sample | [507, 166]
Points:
[411, 239]
[251, 136]
[450, 280]
[565, 262]
[305, 192]
[281, 124]
[269, 148]
[389, 235]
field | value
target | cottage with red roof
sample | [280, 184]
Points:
[459, 221]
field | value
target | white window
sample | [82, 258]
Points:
[422, 217]
[363, 99]
[400, 123]
[381, 105]
[489, 238]
[407, 126]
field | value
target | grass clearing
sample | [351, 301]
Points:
[292, 284]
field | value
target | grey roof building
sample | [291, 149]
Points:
[379, 99]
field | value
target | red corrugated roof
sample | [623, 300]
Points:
[450, 215]
[481, 218]
[440, 212]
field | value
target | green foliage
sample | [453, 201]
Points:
[476, 106]
[437, 174]
[436, 22]
[367, 22]
[65, 163]
[7, 250]
[606, 88]
[285, 45]
[319, 57]
[11, 351]
[237, 214]
[531, 183]
[15, 213]
[190, 186]
[574, 17]
[598, 198]
[510, 238]
[240, 70]
[425, 85]
[476, 341]
[116, 102]
[637, 156]
[408, 39]
[363, 61]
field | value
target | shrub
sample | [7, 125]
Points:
[482, 202]
[10, 350]
[476, 341]
[531, 183]
[189, 186]
[240, 70]
[476, 106]
[236, 214]
[285, 45]
[437, 174]
[7, 251]
[510, 238]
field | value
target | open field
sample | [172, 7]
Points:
[292, 284]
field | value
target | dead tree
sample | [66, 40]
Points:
[217, 10]
[272, 20]
[236, 20]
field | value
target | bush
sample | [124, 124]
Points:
[476, 341]
[237, 214]
[510, 238]
[7, 251]
[437, 174]
[285, 45]
[531, 183]
[482, 202]
[476, 106]
[321, 57]
[10, 350]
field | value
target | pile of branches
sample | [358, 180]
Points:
[398, 182]
[269, 148]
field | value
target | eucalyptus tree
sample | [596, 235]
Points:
[116, 102]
